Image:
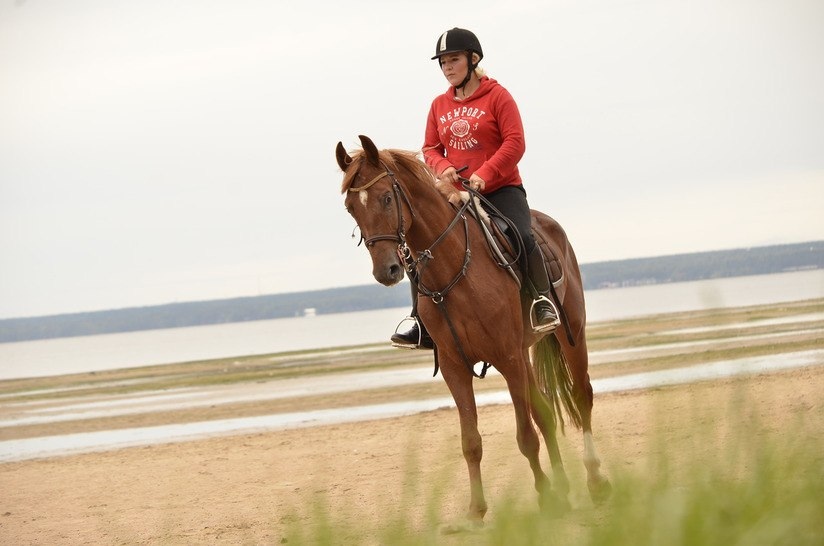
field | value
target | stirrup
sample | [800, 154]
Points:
[420, 334]
[543, 328]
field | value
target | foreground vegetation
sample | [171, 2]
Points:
[758, 489]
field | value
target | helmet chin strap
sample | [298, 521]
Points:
[469, 72]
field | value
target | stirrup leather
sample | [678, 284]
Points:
[420, 333]
[543, 328]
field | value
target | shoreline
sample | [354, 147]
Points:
[108, 440]
[100, 353]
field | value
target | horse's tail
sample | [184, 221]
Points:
[555, 380]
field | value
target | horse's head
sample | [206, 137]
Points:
[376, 201]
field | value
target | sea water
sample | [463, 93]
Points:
[112, 351]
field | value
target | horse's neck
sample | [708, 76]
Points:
[433, 215]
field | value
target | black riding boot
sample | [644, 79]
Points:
[416, 337]
[546, 318]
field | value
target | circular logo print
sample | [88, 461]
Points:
[460, 128]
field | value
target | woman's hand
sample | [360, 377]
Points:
[476, 182]
[450, 175]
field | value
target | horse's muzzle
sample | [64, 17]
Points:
[388, 271]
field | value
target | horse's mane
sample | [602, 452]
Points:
[395, 160]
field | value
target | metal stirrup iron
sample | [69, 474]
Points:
[420, 333]
[543, 328]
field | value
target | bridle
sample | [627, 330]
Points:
[400, 235]
[413, 265]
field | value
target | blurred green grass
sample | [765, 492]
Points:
[725, 478]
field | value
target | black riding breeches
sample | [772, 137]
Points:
[511, 202]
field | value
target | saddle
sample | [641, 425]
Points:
[503, 240]
[501, 237]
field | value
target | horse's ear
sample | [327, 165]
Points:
[344, 160]
[370, 149]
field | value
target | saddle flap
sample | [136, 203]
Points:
[553, 263]
[499, 228]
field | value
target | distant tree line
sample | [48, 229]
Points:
[633, 272]
[704, 265]
[198, 313]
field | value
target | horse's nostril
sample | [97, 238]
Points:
[395, 271]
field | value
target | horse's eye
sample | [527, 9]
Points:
[386, 199]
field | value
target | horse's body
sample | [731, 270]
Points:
[476, 313]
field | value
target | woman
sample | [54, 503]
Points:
[476, 124]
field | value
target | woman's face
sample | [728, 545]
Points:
[454, 67]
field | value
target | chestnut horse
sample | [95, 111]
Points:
[474, 312]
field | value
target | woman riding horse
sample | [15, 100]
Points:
[476, 126]
[407, 226]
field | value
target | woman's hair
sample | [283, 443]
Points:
[479, 71]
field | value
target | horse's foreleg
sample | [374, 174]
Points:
[460, 385]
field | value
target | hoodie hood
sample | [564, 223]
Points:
[487, 84]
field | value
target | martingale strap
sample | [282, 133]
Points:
[416, 267]
[486, 365]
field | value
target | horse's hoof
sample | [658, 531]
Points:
[468, 526]
[599, 490]
[553, 504]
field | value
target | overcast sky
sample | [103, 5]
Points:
[154, 151]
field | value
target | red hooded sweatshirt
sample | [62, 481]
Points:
[483, 132]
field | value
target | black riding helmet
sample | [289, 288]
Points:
[460, 39]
